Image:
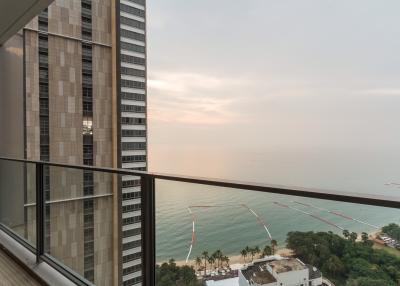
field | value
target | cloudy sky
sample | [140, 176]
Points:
[257, 75]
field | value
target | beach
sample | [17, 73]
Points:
[235, 259]
[238, 259]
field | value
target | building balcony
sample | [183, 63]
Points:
[224, 230]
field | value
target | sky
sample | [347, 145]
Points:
[236, 79]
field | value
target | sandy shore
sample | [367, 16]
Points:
[238, 259]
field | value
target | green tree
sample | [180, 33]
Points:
[353, 237]
[169, 274]
[267, 250]
[243, 252]
[274, 245]
[333, 266]
[198, 262]
[346, 234]
[205, 257]
[226, 260]
[252, 253]
[211, 261]
[364, 237]
[392, 230]
[218, 255]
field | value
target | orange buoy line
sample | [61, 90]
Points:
[309, 214]
[258, 218]
[337, 214]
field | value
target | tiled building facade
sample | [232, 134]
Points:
[85, 104]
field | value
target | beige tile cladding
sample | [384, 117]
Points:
[102, 106]
[34, 24]
[101, 21]
[65, 121]
[32, 96]
[66, 234]
[103, 241]
[102, 149]
[32, 125]
[65, 100]
[65, 18]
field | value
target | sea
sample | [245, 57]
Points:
[230, 219]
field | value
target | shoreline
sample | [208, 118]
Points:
[238, 259]
[235, 259]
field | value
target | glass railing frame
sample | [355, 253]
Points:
[148, 208]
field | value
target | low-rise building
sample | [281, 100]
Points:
[275, 271]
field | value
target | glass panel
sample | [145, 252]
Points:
[18, 198]
[79, 222]
[260, 238]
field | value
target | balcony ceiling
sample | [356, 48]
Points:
[15, 14]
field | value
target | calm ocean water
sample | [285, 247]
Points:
[231, 227]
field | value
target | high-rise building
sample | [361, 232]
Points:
[132, 132]
[83, 102]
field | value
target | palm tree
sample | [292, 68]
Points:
[205, 257]
[267, 250]
[226, 259]
[198, 262]
[244, 254]
[257, 250]
[211, 260]
[218, 256]
[252, 253]
[353, 237]
[364, 237]
[346, 233]
[334, 265]
[274, 244]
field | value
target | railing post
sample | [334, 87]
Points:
[148, 229]
[40, 212]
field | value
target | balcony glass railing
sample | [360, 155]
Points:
[215, 233]
[120, 227]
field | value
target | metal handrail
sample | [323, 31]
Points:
[149, 209]
[349, 197]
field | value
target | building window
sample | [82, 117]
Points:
[133, 158]
[133, 96]
[130, 196]
[133, 256]
[133, 121]
[131, 220]
[133, 133]
[128, 233]
[131, 208]
[133, 108]
[133, 84]
[133, 60]
[132, 35]
[131, 269]
[133, 146]
[132, 244]
[132, 10]
[133, 72]
[130, 183]
[133, 47]
[133, 23]
[132, 281]
[87, 125]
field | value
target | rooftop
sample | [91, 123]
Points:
[314, 273]
[224, 282]
[258, 273]
[286, 265]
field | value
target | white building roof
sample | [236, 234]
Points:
[224, 282]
